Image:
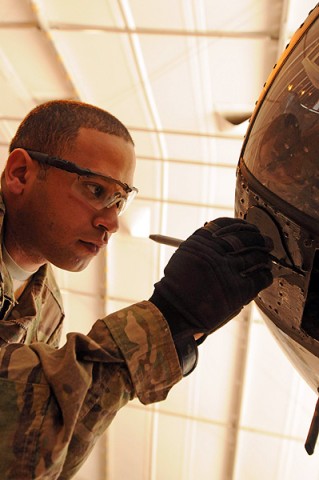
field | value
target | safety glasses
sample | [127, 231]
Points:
[98, 190]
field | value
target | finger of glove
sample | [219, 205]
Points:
[226, 224]
[249, 262]
[244, 241]
[207, 286]
[211, 249]
[244, 288]
[238, 267]
[234, 228]
[237, 242]
[255, 282]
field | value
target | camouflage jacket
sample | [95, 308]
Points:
[56, 402]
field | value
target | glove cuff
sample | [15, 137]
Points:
[187, 351]
[174, 319]
[185, 343]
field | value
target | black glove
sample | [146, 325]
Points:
[212, 275]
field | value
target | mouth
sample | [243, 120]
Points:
[93, 247]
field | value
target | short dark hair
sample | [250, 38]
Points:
[52, 127]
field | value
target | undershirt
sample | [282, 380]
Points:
[20, 277]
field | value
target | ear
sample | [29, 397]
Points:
[19, 169]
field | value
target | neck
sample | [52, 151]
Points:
[23, 259]
[17, 273]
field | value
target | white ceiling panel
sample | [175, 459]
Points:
[243, 15]
[297, 13]
[35, 64]
[163, 15]
[15, 101]
[7, 129]
[238, 71]
[113, 82]
[96, 12]
[15, 11]
[169, 63]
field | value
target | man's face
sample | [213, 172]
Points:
[59, 226]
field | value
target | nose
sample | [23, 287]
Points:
[107, 219]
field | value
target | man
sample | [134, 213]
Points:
[68, 177]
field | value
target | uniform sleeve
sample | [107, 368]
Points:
[55, 403]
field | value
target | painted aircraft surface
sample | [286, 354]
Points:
[278, 190]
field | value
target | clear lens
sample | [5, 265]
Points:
[101, 193]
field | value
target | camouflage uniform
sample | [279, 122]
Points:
[54, 403]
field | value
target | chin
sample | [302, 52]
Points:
[77, 265]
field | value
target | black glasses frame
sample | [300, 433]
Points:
[71, 167]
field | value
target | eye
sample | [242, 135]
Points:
[120, 204]
[95, 190]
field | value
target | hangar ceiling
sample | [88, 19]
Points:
[184, 76]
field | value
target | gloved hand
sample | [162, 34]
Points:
[212, 275]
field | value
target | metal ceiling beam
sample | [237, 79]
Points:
[238, 393]
[140, 30]
[165, 31]
[194, 162]
[188, 133]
